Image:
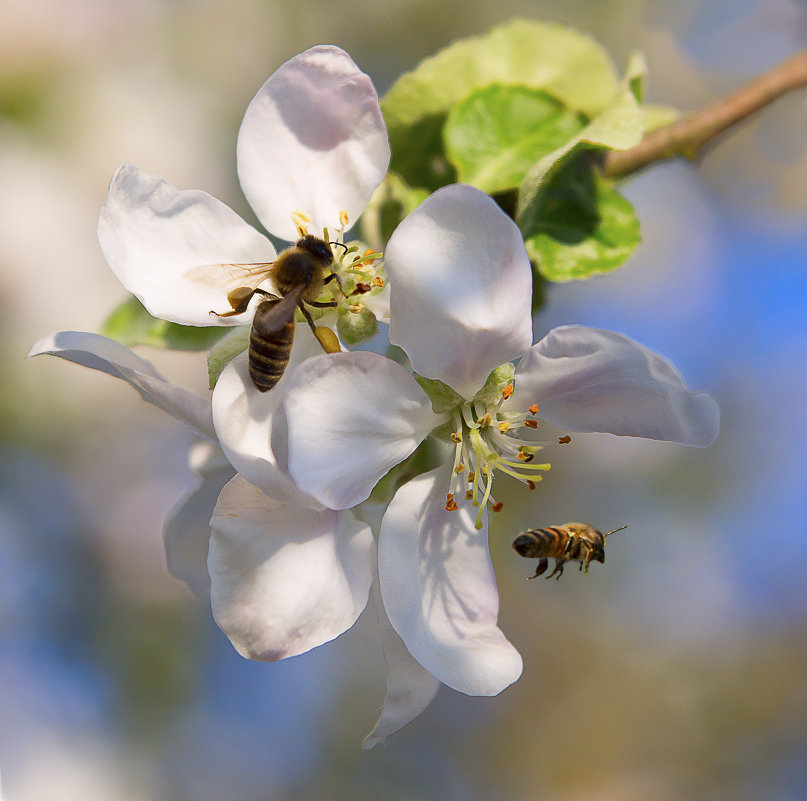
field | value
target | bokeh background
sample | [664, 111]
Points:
[676, 671]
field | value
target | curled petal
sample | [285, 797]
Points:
[461, 288]
[312, 140]
[284, 579]
[187, 531]
[347, 418]
[410, 688]
[243, 419]
[439, 589]
[108, 356]
[585, 379]
[175, 249]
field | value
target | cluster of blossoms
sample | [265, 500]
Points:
[291, 560]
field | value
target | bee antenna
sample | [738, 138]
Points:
[339, 244]
[615, 531]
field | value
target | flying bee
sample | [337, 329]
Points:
[298, 274]
[574, 542]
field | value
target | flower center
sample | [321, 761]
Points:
[485, 441]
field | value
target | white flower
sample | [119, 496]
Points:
[283, 574]
[460, 308]
[311, 150]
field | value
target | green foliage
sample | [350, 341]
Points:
[583, 225]
[225, 350]
[496, 134]
[131, 325]
[390, 203]
[565, 63]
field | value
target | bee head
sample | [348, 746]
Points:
[317, 248]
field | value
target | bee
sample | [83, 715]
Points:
[574, 542]
[298, 274]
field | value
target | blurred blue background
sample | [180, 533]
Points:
[677, 670]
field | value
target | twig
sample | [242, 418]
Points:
[687, 136]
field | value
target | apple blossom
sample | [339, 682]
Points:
[312, 148]
[460, 309]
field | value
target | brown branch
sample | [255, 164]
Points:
[687, 136]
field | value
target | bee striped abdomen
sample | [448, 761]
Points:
[269, 350]
[542, 542]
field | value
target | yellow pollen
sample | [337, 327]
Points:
[485, 421]
[460, 468]
[504, 426]
[378, 281]
[343, 218]
[451, 504]
[565, 440]
[456, 436]
[471, 477]
[485, 471]
[525, 457]
[533, 409]
[469, 495]
[531, 423]
[507, 392]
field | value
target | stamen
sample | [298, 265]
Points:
[507, 392]
[525, 457]
[343, 218]
[466, 416]
[485, 421]
[301, 221]
[504, 426]
[456, 436]
[469, 495]
[459, 469]
[564, 440]
[533, 409]
[497, 507]
[531, 423]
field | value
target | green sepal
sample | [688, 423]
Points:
[495, 384]
[497, 133]
[225, 350]
[443, 398]
[569, 65]
[131, 325]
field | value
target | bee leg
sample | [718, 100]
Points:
[312, 325]
[540, 568]
[558, 569]
[239, 299]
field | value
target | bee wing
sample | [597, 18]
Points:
[228, 277]
[271, 316]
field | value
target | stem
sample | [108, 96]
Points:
[687, 136]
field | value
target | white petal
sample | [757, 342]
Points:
[108, 356]
[243, 419]
[312, 140]
[439, 589]
[585, 379]
[410, 688]
[174, 248]
[349, 418]
[461, 288]
[187, 531]
[284, 579]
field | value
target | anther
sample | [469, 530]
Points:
[531, 485]
[460, 468]
[525, 457]
[343, 218]
[497, 507]
[507, 392]
[504, 426]
[471, 477]
[378, 281]
[451, 504]
[533, 409]
[565, 440]
[485, 421]
[469, 495]
[531, 423]
[456, 436]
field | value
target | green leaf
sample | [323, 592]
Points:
[497, 133]
[619, 127]
[390, 203]
[584, 226]
[131, 325]
[225, 350]
[567, 64]
[636, 75]
[659, 116]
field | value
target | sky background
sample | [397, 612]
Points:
[676, 670]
